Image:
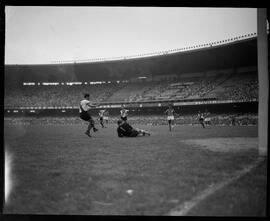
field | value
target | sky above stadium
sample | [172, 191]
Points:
[43, 35]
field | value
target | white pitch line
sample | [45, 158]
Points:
[184, 208]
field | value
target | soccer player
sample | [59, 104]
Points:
[125, 130]
[170, 116]
[106, 116]
[124, 113]
[101, 117]
[207, 118]
[85, 106]
[201, 119]
[233, 120]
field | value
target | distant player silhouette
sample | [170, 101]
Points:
[170, 116]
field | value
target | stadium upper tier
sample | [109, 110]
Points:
[220, 86]
[236, 54]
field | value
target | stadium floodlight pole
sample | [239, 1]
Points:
[263, 79]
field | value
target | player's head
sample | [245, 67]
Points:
[119, 122]
[86, 96]
[170, 105]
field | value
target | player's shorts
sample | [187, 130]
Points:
[101, 118]
[85, 116]
[170, 118]
[106, 118]
[201, 120]
[207, 119]
[134, 133]
[124, 118]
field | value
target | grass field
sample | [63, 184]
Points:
[57, 169]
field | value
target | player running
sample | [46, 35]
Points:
[85, 106]
[207, 119]
[124, 113]
[125, 130]
[170, 116]
[106, 116]
[201, 119]
[101, 117]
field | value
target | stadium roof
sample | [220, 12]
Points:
[231, 55]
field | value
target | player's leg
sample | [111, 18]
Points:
[101, 122]
[201, 122]
[93, 125]
[203, 125]
[143, 132]
[86, 117]
[172, 122]
[87, 132]
[90, 126]
[170, 126]
[135, 133]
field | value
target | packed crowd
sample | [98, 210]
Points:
[241, 88]
[55, 96]
[242, 91]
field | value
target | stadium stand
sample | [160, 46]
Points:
[238, 87]
[130, 92]
[222, 87]
[56, 96]
[190, 75]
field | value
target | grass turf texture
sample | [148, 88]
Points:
[57, 169]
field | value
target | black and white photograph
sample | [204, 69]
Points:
[135, 111]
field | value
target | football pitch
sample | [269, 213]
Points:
[57, 169]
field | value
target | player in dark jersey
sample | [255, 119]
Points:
[233, 120]
[201, 119]
[124, 113]
[125, 130]
[101, 117]
[85, 106]
[170, 116]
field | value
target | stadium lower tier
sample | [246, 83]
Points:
[240, 120]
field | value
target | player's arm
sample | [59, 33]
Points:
[92, 105]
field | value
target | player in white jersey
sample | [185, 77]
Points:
[124, 113]
[207, 118]
[101, 117]
[106, 116]
[170, 116]
[85, 106]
